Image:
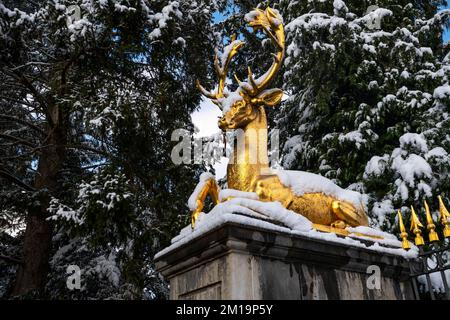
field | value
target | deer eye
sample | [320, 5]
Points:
[239, 104]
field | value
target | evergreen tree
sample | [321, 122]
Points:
[368, 104]
[87, 108]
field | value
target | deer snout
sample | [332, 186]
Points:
[222, 123]
[225, 124]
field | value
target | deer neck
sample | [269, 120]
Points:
[249, 158]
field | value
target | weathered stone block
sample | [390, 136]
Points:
[235, 261]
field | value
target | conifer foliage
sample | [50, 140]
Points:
[369, 99]
[90, 92]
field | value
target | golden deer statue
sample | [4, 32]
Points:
[244, 109]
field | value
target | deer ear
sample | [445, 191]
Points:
[271, 97]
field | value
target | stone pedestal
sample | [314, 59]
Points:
[234, 261]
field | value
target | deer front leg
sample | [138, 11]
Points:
[211, 188]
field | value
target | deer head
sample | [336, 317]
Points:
[244, 105]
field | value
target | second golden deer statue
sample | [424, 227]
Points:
[326, 205]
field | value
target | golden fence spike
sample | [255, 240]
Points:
[403, 233]
[444, 215]
[415, 228]
[432, 234]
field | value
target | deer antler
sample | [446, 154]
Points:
[221, 69]
[271, 24]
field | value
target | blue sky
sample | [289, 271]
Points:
[217, 17]
[447, 32]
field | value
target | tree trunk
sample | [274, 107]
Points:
[36, 248]
[31, 275]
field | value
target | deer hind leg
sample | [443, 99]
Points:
[347, 214]
[209, 188]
